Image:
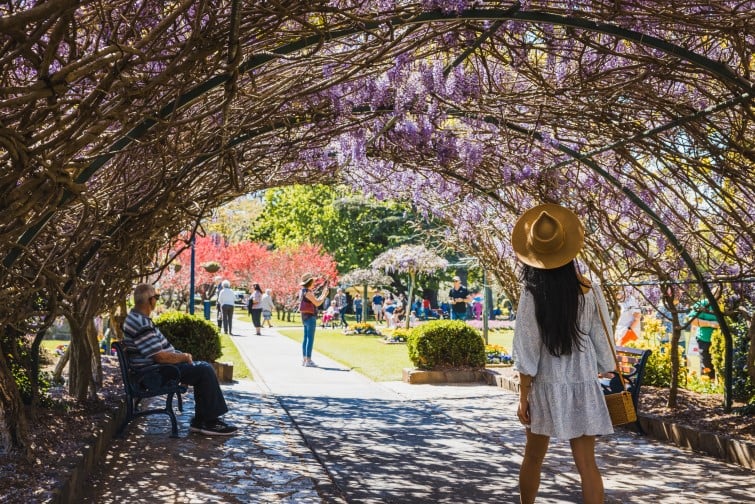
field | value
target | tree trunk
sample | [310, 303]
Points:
[751, 352]
[94, 345]
[674, 386]
[57, 375]
[80, 368]
[14, 431]
[364, 304]
[408, 310]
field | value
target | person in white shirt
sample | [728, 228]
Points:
[267, 308]
[226, 299]
[630, 317]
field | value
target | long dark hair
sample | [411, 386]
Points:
[558, 297]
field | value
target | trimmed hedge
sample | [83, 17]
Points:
[443, 344]
[192, 334]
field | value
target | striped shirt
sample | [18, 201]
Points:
[142, 336]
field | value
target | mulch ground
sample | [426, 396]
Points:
[58, 435]
[703, 412]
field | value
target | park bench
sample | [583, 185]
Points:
[632, 363]
[149, 381]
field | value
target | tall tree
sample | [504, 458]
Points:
[353, 229]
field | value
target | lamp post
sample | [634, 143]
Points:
[191, 279]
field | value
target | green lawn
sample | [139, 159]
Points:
[504, 338]
[367, 355]
[231, 354]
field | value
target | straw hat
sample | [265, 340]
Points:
[547, 236]
[306, 278]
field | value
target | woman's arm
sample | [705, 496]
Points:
[317, 301]
[523, 410]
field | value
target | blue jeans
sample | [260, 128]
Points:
[310, 324]
[458, 316]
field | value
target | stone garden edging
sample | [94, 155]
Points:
[417, 376]
[91, 454]
[721, 447]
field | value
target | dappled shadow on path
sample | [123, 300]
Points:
[403, 451]
[468, 449]
[448, 446]
[265, 462]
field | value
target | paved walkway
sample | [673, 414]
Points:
[328, 434]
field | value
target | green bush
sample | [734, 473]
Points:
[192, 334]
[743, 387]
[446, 344]
[658, 365]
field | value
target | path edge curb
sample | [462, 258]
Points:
[71, 490]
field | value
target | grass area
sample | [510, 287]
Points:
[365, 354]
[504, 337]
[231, 354]
[51, 344]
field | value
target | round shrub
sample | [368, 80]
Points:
[192, 334]
[446, 344]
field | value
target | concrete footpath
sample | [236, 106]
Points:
[328, 434]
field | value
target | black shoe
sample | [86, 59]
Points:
[216, 428]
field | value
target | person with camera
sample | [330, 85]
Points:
[308, 304]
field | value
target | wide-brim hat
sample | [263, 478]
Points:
[547, 236]
[306, 278]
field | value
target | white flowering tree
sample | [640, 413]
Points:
[412, 260]
[365, 278]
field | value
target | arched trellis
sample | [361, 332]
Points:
[584, 158]
[720, 71]
[514, 13]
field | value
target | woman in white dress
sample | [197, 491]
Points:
[560, 346]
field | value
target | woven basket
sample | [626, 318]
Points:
[621, 408]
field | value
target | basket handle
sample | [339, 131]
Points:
[610, 343]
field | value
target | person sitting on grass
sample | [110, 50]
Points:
[142, 336]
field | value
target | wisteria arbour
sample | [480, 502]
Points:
[125, 123]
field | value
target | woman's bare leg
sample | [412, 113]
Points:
[583, 451]
[529, 474]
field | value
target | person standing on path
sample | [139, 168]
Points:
[254, 305]
[459, 297]
[142, 336]
[226, 300]
[267, 308]
[560, 346]
[308, 304]
[341, 303]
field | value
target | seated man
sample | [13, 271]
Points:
[141, 335]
